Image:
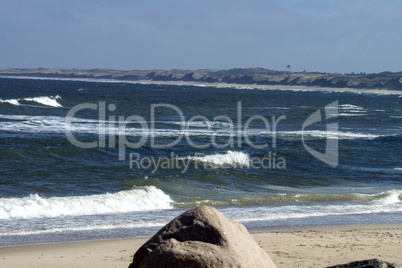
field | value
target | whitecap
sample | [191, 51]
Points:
[10, 101]
[45, 100]
[351, 109]
[385, 202]
[329, 134]
[35, 206]
[228, 159]
[48, 101]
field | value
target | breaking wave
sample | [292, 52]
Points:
[228, 159]
[35, 206]
[385, 202]
[342, 135]
[56, 124]
[47, 101]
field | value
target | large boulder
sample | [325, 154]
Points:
[201, 238]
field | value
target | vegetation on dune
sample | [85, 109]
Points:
[258, 76]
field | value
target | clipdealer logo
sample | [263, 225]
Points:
[110, 127]
[331, 155]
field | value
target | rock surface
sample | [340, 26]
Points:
[201, 237]
[374, 263]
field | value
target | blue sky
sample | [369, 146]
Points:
[313, 35]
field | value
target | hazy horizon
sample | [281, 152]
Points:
[284, 70]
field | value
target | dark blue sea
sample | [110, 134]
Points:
[89, 160]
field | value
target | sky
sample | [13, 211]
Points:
[336, 36]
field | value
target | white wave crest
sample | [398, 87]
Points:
[228, 159]
[34, 206]
[350, 106]
[48, 101]
[45, 100]
[388, 198]
[349, 114]
[10, 101]
[386, 202]
[351, 110]
[201, 124]
[56, 124]
[330, 134]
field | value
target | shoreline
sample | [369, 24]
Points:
[313, 247]
[272, 87]
[218, 85]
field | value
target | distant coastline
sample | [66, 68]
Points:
[238, 77]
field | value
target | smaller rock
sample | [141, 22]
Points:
[373, 263]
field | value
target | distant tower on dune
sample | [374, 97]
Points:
[288, 68]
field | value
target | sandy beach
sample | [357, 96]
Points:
[219, 85]
[319, 247]
[270, 87]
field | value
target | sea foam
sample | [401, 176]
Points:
[45, 100]
[342, 135]
[228, 159]
[35, 206]
[10, 101]
[385, 202]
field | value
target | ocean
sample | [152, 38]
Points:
[90, 160]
